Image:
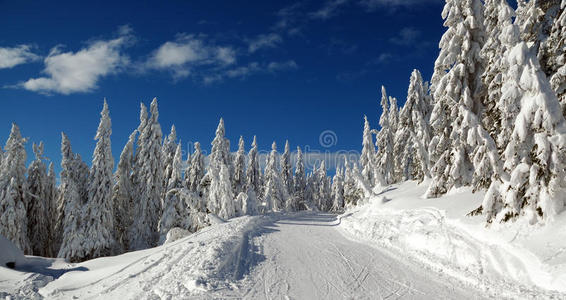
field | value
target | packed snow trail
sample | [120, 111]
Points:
[305, 256]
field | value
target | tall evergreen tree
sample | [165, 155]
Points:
[456, 83]
[338, 191]
[13, 189]
[299, 183]
[99, 210]
[239, 184]
[274, 195]
[174, 209]
[38, 205]
[253, 173]
[148, 175]
[196, 170]
[167, 155]
[384, 142]
[367, 159]
[123, 194]
[287, 169]
[51, 192]
[69, 233]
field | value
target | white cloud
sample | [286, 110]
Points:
[329, 9]
[72, 72]
[11, 57]
[187, 52]
[406, 37]
[264, 41]
[281, 66]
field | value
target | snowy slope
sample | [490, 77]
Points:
[505, 260]
[189, 266]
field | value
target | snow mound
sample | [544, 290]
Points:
[10, 255]
[436, 233]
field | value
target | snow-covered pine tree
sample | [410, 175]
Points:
[195, 172]
[492, 53]
[456, 83]
[324, 188]
[274, 192]
[299, 200]
[148, 174]
[219, 201]
[13, 189]
[338, 191]
[384, 143]
[534, 156]
[413, 134]
[352, 193]
[123, 194]
[287, 169]
[167, 155]
[98, 215]
[51, 192]
[69, 232]
[553, 55]
[367, 159]
[38, 205]
[239, 183]
[253, 173]
[174, 209]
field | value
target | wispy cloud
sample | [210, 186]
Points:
[11, 57]
[330, 9]
[407, 36]
[270, 40]
[252, 68]
[72, 72]
[188, 52]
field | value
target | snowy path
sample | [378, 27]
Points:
[305, 256]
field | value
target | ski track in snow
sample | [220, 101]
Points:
[304, 256]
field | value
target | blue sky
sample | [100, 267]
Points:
[277, 69]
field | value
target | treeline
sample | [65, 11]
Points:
[492, 117]
[96, 211]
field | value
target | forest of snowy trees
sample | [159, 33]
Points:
[492, 118]
[101, 210]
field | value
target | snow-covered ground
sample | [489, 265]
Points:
[514, 259]
[396, 245]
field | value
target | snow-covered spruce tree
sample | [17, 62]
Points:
[69, 233]
[287, 169]
[413, 134]
[123, 194]
[167, 155]
[534, 156]
[324, 188]
[98, 215]
[51, 192]
[38, 205]
[495, 16]
[338, 191]
[299, 201]
[13, 191]
[274, 195]
[219, 201]
[148, 179]
[456, 83]
[367, 159]
[195, 171]
[553, 55]
[384, 143]
[239, 183]
[352, 194]
[253, 173]
[174, 209]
